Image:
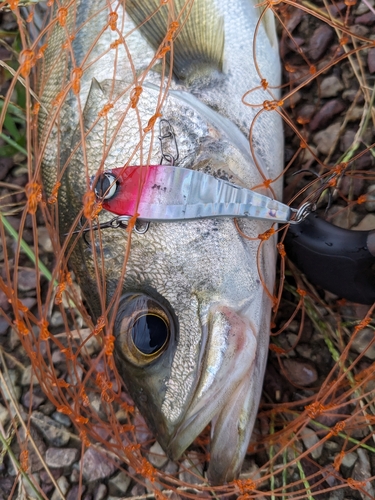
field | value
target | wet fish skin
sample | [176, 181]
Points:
[202, 275]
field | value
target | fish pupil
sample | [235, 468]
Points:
[149, 333]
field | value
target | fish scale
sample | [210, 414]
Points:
[202, 276]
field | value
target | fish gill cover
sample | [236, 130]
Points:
[69, 428]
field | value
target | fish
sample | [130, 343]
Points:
[188, 303]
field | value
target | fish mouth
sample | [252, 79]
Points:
[227, 394]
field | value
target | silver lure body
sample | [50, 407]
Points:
[203, 271]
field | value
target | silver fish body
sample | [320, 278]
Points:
[197, 283]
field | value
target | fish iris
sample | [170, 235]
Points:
[149, 333]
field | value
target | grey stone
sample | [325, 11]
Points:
[44, 241]
[311, 440]
[75, 475]
[325, 138]
[100, 492]
[157, 455]
[32, 400]
[61, 457]
[370, 203]
[63, 485]
[365, 340]
[30, 485]
[26, 279]
[10, 386]
[366, 224]
[119, 484]
[4, 325]
[61, 419]
[362, 473]
[76, 492]
[56, 319]
[331, 86]
[4, 415]
[300, 372]
[349, 459]
[96, 465]
[355, 114]
[54, 432]
[26, 376]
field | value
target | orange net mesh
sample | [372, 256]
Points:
[314, 433]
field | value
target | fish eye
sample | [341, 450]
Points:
[106, 186]
[149, 333]
[142, 328]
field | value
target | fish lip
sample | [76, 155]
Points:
[226, 402]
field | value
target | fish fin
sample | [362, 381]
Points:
[268, 22]
[198, 45]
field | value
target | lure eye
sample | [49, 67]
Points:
[143, 328]
[106, 186]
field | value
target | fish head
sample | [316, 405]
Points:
[191, 336]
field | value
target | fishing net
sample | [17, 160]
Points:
[61, 395]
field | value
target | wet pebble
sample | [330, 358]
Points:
[61, 457]
[328, 111]
[119, 484]
[54, 432]
[26, 280]
[63, 485]
[310, 440]
[319, 42]
[371, 60]
[157, 455]
[365, 339]
[300, 372]
[331, 86]
[362, 473]
[326, 138]
[96, 466]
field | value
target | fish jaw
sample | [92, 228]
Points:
[228, 392]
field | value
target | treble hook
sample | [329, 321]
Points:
[115, 223]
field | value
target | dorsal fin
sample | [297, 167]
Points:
[198, 45]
